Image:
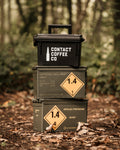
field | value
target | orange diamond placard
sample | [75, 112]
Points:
[55, 117]
[72, 84]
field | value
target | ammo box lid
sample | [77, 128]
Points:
[55, 68]
[49, 101]
[57, 38]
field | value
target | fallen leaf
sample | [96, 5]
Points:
[35, 139]
[11, 119]
[8, 103]
[107, 140]
[88, 145]
[80, 124]
[91, 133]
[54, 140]
[84, 131]
[3, 140]
[100, 129]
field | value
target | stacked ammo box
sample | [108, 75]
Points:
[59, 81]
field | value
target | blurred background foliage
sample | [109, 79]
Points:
[97, 20]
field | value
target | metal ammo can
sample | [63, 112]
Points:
[59, 49]
[59, 82]
[63, 114]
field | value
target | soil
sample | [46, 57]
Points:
[102, 132]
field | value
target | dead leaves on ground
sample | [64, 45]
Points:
[87, 137]
[102, 132]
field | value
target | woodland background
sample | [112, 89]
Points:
[97, 20]
[99, 23]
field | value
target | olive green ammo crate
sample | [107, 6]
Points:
[59, 82]
[62, 114]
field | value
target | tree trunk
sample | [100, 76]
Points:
[21, 11]
[116, 6]
[69, 7]
[9, 21]
[29, 18]
[43, 13]
[95, 10]
[81, 14]
[9, 15]
[54, 13]
[97, 27]
[78, 17]
[2, 23]
[116, 17]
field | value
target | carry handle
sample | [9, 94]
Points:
[69, 27]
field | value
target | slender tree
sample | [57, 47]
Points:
[29, 18]
[43, 14]
[99, 7]
[21, 11]
[54, 11]
[116, 6]
[81, 15]
[116, 18]
[9, 21]
[69, 7]
[2, 23]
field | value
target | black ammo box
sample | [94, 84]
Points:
[63, 114]
[58, 49]
[59, 82]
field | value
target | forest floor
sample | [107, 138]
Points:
[16, 126]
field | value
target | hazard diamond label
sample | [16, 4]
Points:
[55, 117]
[72, 84]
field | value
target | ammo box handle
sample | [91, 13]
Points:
[69, 27]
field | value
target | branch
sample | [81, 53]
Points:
[21, 11]
[81, 16]
[84, 12]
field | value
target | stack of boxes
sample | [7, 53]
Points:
[59, 82]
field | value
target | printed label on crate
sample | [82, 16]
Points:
[55, 117]
[72, 84]
[52, 53]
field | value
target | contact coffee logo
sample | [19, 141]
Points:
[53, 53]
